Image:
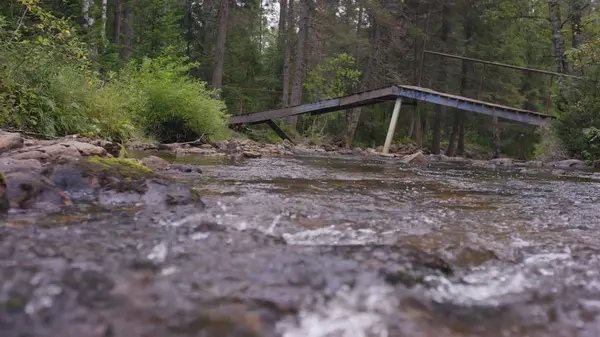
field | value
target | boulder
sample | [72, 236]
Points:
[156, 163]
[505, 162]
[87, 149]
[571, 163]
[33, 191]
[220, 145]
[357, 151]
[112, 148]
[483, 163]
[439, 157]
[10, 141]
[251, 154]
[379, 149]
[534, 164]
[61, 152]
[8, 165]
[201, 152]
[35, 154]
[415, 159]
[121, 182]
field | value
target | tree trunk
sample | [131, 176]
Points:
[437, 122]
[353, 115]
[103, 30]
[288, 27]
[88, 20]
[187, 24]
[117, 23]
[300, 67]
[129, 18]
[576, 8]
[217, 78]
[369, 75]
[459, 115]
[558, 39]
[283, 13]
[207, 27]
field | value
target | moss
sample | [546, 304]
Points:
[127, 167]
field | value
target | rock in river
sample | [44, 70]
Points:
[103, 181]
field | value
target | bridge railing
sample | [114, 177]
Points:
[482, 76]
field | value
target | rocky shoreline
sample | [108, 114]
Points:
[33, 168]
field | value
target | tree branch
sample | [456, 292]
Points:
[18, 26]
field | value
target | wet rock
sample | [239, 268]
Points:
[9, 164]
[201, 152]
[415, 159]
[220, 145]
[534, 164]
[35, 154]
[115, 181]
[370, 151]
[504, 162]
[10, 141]
[61, 151]
[329, 147]
[528, 171]
[31, 190]
[185, 168]
[483, 164]
[111, 148]
[439, 157]
[287, 144]
[357, 151]
[156, 163]
[379, 149]
[251, 154]
[206, 146]
[571, 163]
[87, 149]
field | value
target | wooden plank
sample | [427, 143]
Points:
[334, 104]
[391, 94]
[279, 132]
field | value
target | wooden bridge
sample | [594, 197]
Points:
[397, 93]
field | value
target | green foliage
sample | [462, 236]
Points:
[171, 106]
[578, 105]
[48, 86]
[550, 147]
[334, 77]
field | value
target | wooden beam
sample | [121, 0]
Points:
[278, 131]
[391, 94]
[334, 104]
[392, 127]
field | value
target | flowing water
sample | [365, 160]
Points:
[523, 249]
[524, 246]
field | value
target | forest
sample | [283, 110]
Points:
[174, 70]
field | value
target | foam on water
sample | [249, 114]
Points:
[351, 313]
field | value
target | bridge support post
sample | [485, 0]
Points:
[392, 127]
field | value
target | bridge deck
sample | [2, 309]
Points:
[392, 93]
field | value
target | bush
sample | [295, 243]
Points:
[169, 105]
[578, 104]
[53, 96]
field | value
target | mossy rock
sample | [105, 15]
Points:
[126, 167]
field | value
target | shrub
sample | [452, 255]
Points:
[169, 105]
[578, 104]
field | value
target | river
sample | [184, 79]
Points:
[523, 249]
